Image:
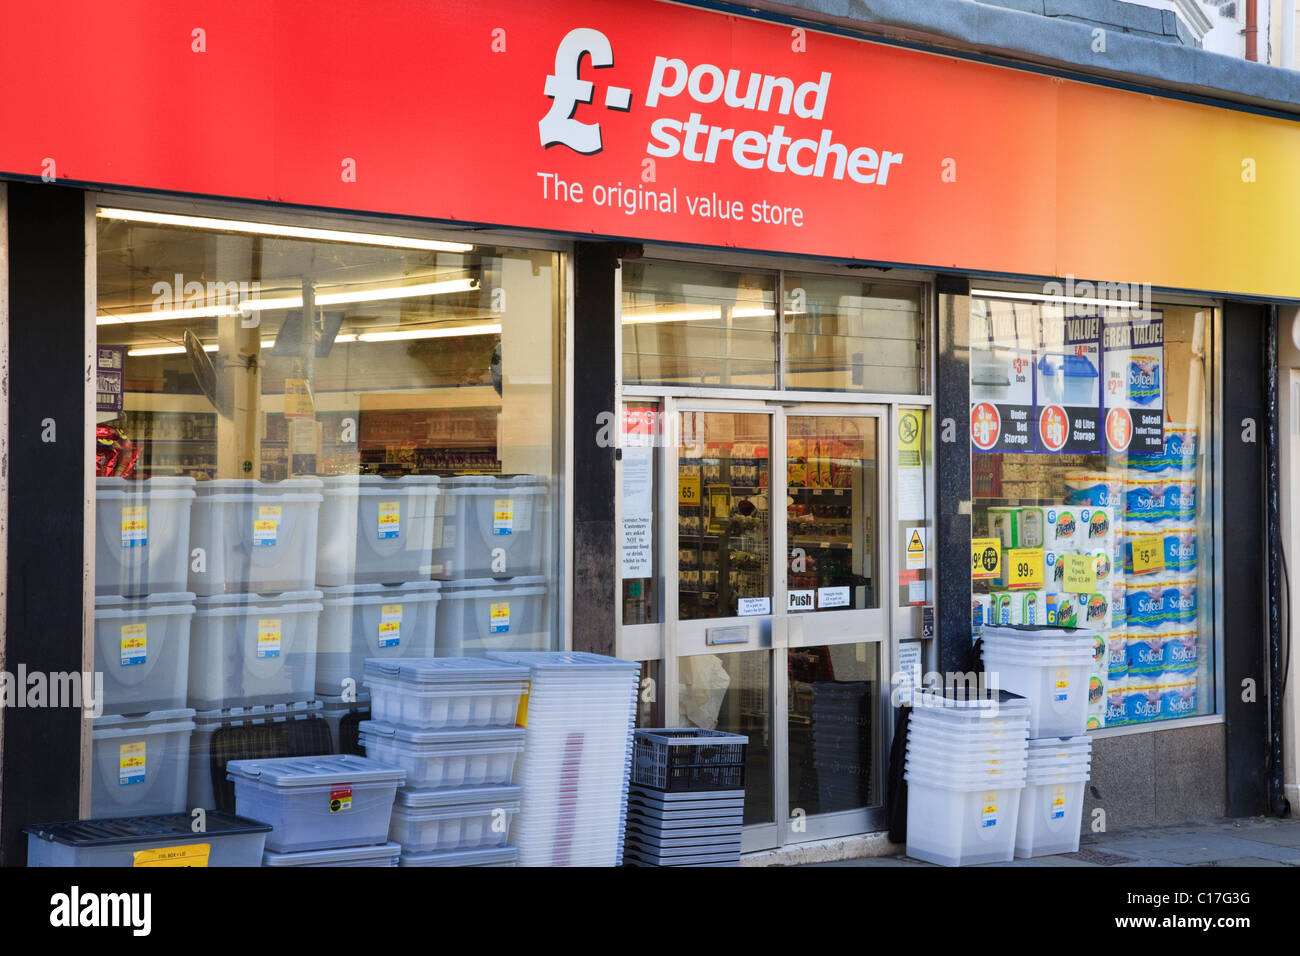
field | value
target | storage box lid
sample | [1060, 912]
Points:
[209, 720]
[377, 484]
[154, 722]
[484, 857]
[118, 830]
[565, 661]
[437, 670]
[109, 489]
[521, 586]
[499, 796]
[313, 771]
[380, 593]
[169, 603]
[1075, 366]
[455, 735]
[246, 486]
[347, 854]
[510, 484]
[235, 603]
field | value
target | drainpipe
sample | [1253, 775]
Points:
[1252, 30]
[1277, 670]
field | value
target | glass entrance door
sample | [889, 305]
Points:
[773, 626]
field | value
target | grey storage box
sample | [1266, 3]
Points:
[142, 647]
[372, 621]
[246, 649]
[142, 535]
[493, 526]
[140, 764]
[385, 854]
[376, 530]
[161, 840]
[315, 803]
[256, 537]
[481, 615]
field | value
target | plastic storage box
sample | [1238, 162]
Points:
[493, 526]
[257, 537]
[142, 540]
[142, 647]
[249, 733]
[960, 822]
[1049, 667]
[445, 692]
[141, 764]
[688, 758]
[247, 650]
[446, 758]
[164, 840]
[385, 854]
[435, 821]
[482, 615]
[492, 856]
[1051, 807]
[376, 530]
[372, 620]
[314, 803]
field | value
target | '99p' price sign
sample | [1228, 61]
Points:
[1024, 567]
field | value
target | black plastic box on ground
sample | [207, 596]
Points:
[165, 840]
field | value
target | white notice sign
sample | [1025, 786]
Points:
[750, 607]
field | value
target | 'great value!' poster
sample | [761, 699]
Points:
[1133, 390]
[1067, 402]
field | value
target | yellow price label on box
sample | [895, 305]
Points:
[1024, 567]
[985, 558]
[1148, 554]
[1080, 573]
[688, 490]
[193, 854]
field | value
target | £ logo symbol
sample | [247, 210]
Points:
[568, 90]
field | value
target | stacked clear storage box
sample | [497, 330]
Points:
[686, 801]
[326, 802]
[965, 770]
[254, 570]
[1051, 667]
[140, 742]
[579, 714]
[449, 722]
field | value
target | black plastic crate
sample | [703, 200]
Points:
[677, 759]
[263, 741]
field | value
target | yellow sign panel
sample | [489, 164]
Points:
[688, 490]
[194, 854]
[297, 399]
[1080, 573]
[911, 426]
[719, 509]
[985, 558]
[1025, 567]
[1148, 554]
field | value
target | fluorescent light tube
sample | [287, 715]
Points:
[276, 229]
[694, 316]
[166, 350]
[295, 302]
[443, 333]
[1064, 299]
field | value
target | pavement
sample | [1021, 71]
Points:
[1249, 842]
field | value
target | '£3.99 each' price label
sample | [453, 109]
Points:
[1023, 567]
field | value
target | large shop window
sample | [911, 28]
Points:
[313, 449]
[1090, 431]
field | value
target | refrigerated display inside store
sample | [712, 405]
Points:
[314, 448]
[1090, 473]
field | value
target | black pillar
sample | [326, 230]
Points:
[47, 383]
[1241, 451]
[595, 554]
